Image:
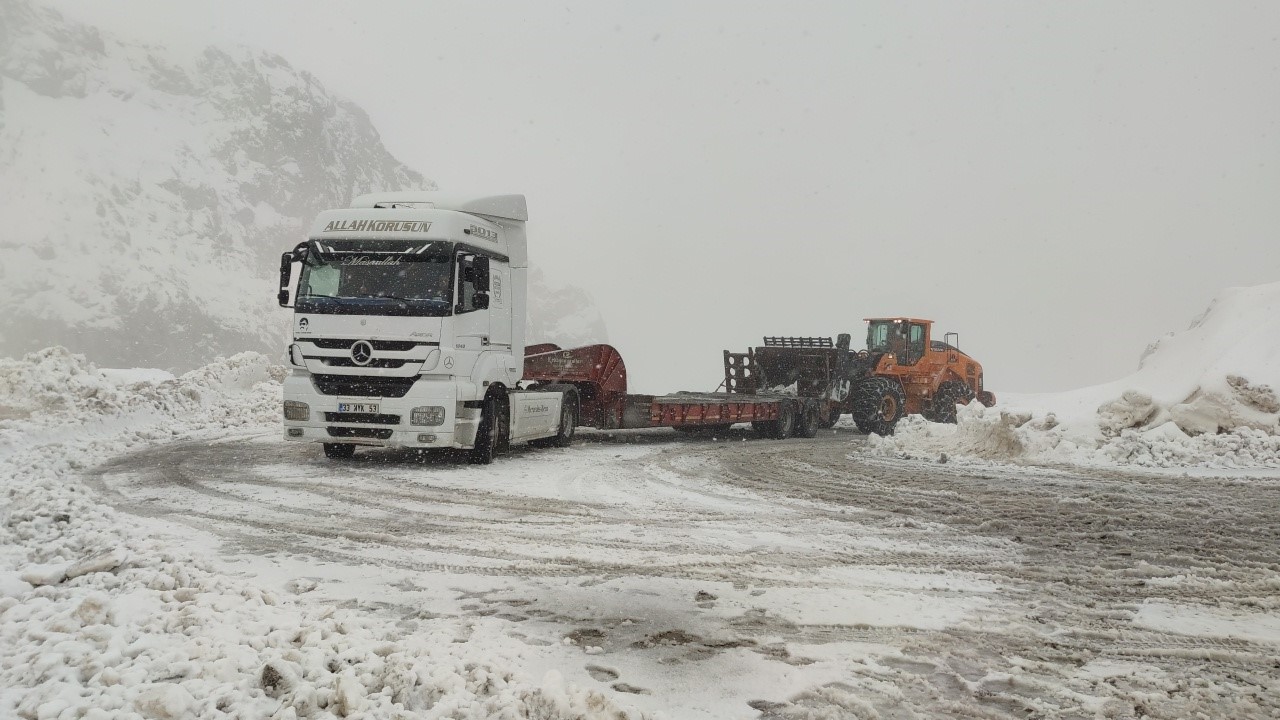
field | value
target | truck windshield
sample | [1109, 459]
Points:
[377, 278]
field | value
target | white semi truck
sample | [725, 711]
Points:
[409, 329]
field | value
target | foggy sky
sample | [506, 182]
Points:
[1061, 183]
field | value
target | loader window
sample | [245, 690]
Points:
[915, 345]
[878, 334]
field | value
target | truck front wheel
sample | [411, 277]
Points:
[494, 422]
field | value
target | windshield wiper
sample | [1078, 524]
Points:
[397, 298]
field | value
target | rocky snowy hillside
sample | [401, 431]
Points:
[148, 192]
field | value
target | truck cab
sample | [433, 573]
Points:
[409, 328]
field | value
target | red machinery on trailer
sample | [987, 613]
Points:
[600, 378]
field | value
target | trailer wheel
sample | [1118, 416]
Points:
[943, 407]
[339, 451]
[878, 404]
[783, 426]
[807, 423]
[495, 420]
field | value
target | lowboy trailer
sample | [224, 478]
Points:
[599, 376]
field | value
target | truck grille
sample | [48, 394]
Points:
[348, 362]
[344, 432]
[363, 385]
[345, 344]
[365, 418]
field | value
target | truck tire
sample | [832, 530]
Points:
[569, 413]
[878, 405]
[490, 437]
[807, 423]
[339, 451]
[942, 409]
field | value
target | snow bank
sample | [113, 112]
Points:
[97, 621]
[1206, 396]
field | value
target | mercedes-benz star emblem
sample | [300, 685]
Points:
[361, 352]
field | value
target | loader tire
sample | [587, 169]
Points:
[878, 405]
[942, 409]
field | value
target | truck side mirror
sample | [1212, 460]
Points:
[480, 275]
[286, 269]
[480, 301]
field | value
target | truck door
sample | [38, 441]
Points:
[500, 304]
[471, 308]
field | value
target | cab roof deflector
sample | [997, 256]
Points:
[507, 207]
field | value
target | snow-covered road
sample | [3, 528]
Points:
[737, 577]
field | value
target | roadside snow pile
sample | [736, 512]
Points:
[1208, 396]
[55, 385]
[99, 621]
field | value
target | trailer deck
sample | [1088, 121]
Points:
[599, 374]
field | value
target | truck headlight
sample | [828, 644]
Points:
[428, 415]
[294, 410]
[295, 355]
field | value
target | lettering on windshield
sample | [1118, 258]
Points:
[366, 260]
[377, 226]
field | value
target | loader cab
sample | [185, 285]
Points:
[906, 338]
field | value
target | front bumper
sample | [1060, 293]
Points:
[391, 426]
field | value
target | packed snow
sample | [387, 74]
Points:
[1205, 397]
[216, 571]
[98, 620]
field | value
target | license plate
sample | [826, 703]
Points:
[358, 407]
